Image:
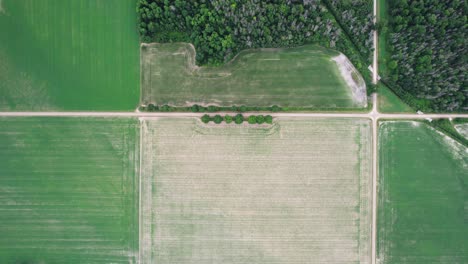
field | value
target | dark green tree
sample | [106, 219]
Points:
[239, 119]
[228, 119]
[218, 119]
[205, 119]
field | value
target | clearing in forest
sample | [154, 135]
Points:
[68, 55]
[422, 196]
[297, 191]
[308, 76]
[68, 190]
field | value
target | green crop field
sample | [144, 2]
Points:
[422, 196]
[68, 55]
[68, 190]
[256, 194]
[306, 76]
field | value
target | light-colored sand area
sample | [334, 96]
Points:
[353, 78]
[462, 129]
[298, 191]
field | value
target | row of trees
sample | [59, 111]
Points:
[211, 108]
[238, 119]
[427, 40]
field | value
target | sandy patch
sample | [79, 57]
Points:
[353, 78]
[462, 129]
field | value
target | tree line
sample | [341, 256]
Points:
[210, 108]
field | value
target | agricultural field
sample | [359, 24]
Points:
[422, 196]
[308, 76]
[256, 194]
[68, 55]
[68, 190]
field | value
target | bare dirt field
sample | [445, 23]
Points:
[298, 191]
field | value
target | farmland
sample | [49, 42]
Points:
[68, 190]
[422, 195]
[68, 55]
[255, 194]
[306, 76]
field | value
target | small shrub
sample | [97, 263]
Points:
[218, 119]
[252, 119]
[269, 119]
[202, 109]
[195, 108]
[213, 108]
[228, 119]
[238, 119]
[152, 107]
[260, 119]
[243, 108]
[165, 108]
[275, 108]
[205, 119]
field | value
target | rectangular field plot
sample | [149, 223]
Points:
[308, 76]
[422, 196]
[298, 191]
[68, 55]
[68, 190]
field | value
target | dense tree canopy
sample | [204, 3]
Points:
[356, 18]
[428, 46]
[219, 29]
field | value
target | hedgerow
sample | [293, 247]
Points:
[238, 119]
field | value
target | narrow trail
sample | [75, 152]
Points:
[375, 63]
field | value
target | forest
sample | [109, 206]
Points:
[219, 29]
[356, 19]
[427, 43]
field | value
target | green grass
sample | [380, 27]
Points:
[422, 197]
[68, 55]
[391, 103]
[68, 190]
[297, 191]
[296, 77]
